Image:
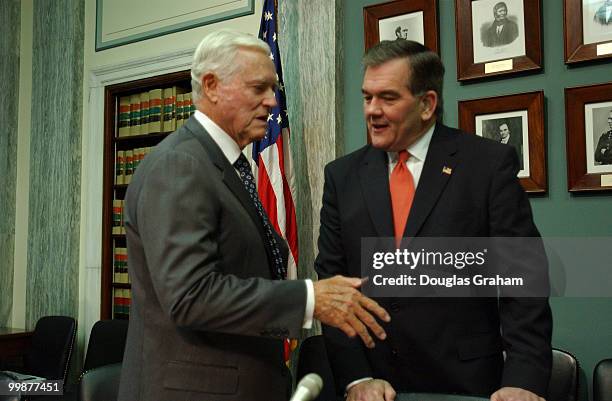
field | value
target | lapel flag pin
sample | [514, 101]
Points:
[447, 170]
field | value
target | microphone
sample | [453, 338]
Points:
[308, 388]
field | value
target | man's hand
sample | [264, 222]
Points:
[514, 394]
[338, 303]
[371, 390]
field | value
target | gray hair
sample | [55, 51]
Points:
[217, 53]
[426, 69]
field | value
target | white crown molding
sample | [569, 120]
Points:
[141, 68]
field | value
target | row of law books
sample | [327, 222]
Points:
[118, 227]
[157, 110]
[126, 162]
[122, 299]
[120, 266]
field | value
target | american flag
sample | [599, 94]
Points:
[272, 156]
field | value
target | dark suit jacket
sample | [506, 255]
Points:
[605, 144]
[437, 344]
[516, 141]
[507, 35]
[206, 323]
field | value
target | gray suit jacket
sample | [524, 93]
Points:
[206, 321]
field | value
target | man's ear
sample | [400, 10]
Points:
[210, 87]
[429, 103]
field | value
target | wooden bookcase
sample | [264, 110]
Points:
[112, 190]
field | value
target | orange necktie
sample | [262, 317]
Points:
[401, 186]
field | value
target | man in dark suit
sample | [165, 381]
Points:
[502, 31]
[603, 152]
[210, 307]
[509, 138]
[457, 185]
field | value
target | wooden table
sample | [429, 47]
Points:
[13, 345]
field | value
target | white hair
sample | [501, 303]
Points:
[216, 54]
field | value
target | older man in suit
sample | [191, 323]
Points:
[210, 306]
[419, 178]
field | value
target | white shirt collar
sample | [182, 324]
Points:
[418, 149]
[228, 146]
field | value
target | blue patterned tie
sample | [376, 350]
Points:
[279, 271]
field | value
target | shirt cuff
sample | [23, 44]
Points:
[354, 382]
[310, 304]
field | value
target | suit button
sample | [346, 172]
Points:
[395, 307]
[394, 353]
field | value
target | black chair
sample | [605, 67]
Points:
[52, 344]
[49, 354]
[102, 367]
[602, 381]
[312, 358]
[51, 348]
[100, 384]
[563, 384]
[106, 343]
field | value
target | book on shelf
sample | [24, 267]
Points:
[169, 109]
[124, 276]
[120, 274]
[155, 110]
[139, 154]
[120, 167]
[124, 116]
[144, 113]
[117, 214]
[129, 165]
[122, 299]
[135, 114]
[179, 110]
[192, 107]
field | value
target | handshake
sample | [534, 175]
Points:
[339, 303]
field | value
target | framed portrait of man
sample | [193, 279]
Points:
[499, 29]
[510, 128]
[408, 26]
[598, 131]
[415, 20]
[587, 30]
[516, 121]
[588, 122]
[497, 37]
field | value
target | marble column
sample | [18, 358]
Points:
[55, 159]
[311, 50]
[10, 22]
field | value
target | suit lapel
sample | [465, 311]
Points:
[374, 178]
[439, 163]
[230, 178]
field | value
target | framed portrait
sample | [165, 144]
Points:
[517, 121]
[587, 30]
[588, 124]
[497, 37]
[402, 19]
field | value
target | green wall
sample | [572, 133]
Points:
[582, 326]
